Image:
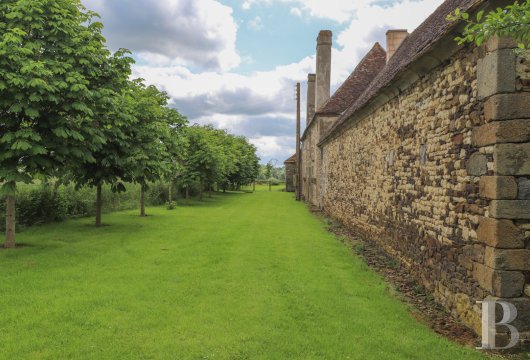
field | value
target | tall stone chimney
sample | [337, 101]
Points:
[323, 76]
[394, 38]
[311, 78]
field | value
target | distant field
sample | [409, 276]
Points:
[239, 276]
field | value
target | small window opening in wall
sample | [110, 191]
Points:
[423, 154]
[391, 158]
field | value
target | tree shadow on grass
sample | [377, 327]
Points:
[18, 246]
[83, 229]
[209, 202]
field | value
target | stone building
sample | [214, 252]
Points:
[319, 122]
[290, 174]
[427, 156]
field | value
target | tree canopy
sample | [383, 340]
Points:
[216, 157]
[53, 64]
[69, 110]
[56, 75]
[512, 21]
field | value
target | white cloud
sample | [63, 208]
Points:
[274, 148]
[201, 33]
[256, 23]
[261, 105]
[246, 5]
[368, 21]
[375, 20]
[342, 11]
[296, 11]
[213, 94]
[338, 10]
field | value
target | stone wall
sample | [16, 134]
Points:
[290, 176]
[439, 177]
[312, 157]
[310, 163]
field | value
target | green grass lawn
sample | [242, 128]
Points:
[239, 276]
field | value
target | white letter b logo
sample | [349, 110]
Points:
[488, 324]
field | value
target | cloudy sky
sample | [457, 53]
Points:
[235, 63]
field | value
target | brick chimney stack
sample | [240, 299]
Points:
[394, 38]
[311, 78]
[323, 76]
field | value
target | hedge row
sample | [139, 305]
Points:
[42, 204]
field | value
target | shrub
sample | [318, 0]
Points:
[42, 203]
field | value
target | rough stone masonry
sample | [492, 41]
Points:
[431, 161]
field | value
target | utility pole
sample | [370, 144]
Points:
[298, 152]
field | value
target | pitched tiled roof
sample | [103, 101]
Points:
[429, 32]
[372, 63]
[356, 83]
[291, 160]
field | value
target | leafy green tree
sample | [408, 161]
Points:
[512, 21]
[216, 157]
[245, 163]
[204, 157]
[226, 159]
[276, 173]
[176, 144]
[151, 136]
[52, 55]
[186, 175]
[269, 168]
[249, 163]
[114, 120]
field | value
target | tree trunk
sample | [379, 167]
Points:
[201, 191]
[187, 195]
[99, 205]
[210, 192]
[10, 221]
[56, 187]
[254, 186]
[142, 201]
[170, 193]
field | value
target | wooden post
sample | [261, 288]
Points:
[298, 184]
[142, 201]
[99, 205]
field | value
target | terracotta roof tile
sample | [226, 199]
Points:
[291, 160]
[356, 83]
